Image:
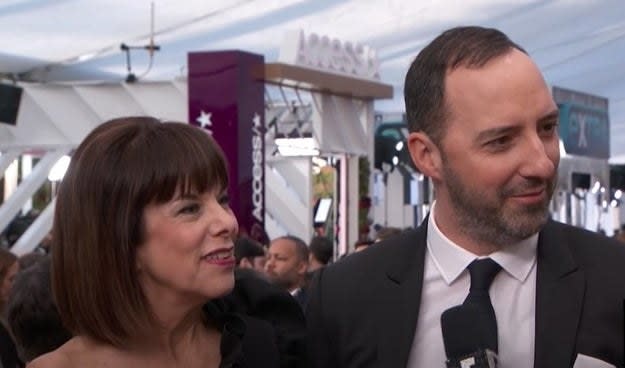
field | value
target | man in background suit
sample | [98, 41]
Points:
[484, 127]
[287, 264]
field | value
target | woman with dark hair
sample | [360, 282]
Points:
[143, 254]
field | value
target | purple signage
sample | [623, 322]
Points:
[228, 101]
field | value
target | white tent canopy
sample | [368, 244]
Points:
[578, 44]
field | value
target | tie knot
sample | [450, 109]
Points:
[483, 271]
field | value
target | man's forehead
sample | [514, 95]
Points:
[282, 245]
[504, 83]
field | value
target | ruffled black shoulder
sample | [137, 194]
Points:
[254, 302]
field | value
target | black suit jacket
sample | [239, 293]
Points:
[362, 311]
[302, 297]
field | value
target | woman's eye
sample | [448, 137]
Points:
[224, 200]
[190, 209]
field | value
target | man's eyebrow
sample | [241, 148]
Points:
[497, 131]
[553, 115]
[512, 128]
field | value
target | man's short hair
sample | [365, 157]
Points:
[120, 168]
[244, 247]
[424, 91]
[32, 314]
[322, 249]
[301, 249]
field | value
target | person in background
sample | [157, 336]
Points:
[259, 298]
[143, 254]
[249, 254]
[32, 314]
[8, 269]
[386, 232]
[620, 234]
[19, 225]
[483, 126]
[287, 263]
[321, 251]
[30, 259]
[45, 245]
[255, 296]
[362, 245]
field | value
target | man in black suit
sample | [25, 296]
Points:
[483, 127]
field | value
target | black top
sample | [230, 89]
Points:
[261, 324]
[245, 342]
[8, 353]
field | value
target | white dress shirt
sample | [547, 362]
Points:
[446, 284]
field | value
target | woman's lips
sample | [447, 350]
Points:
[221, 257]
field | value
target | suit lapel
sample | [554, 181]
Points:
[401, 297]
[560, 288]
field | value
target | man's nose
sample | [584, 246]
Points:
[540, 159]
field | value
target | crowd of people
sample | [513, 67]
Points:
[147, 267]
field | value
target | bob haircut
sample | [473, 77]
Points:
[121, 166]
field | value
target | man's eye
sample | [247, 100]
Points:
[499, 143]
[549, 128]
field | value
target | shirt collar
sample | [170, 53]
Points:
[451, 259]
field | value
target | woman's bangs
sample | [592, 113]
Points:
[189, 164]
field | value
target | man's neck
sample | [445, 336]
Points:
[459, 235]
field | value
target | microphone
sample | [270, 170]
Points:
[465, 339]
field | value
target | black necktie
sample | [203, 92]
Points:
[483, 271]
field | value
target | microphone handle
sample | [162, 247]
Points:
[483, 358]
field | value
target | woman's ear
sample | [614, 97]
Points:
[425, 155]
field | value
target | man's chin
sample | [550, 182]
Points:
[527, 223]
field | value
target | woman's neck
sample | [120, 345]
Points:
[174, 332]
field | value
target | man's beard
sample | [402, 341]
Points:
[484, 216]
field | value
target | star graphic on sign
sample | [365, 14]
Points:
[205, 120]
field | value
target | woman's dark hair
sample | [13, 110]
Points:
[122, 166]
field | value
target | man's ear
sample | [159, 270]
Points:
[302, 268]
[425, 155]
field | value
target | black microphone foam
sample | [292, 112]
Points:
[463, 331]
